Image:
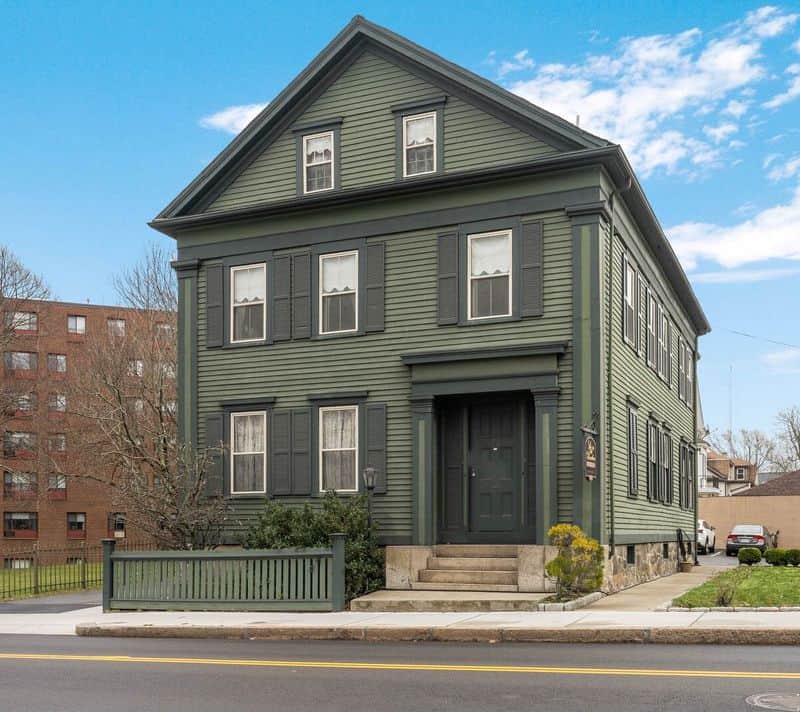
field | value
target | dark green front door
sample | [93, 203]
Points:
[493, 466]
[485, 475]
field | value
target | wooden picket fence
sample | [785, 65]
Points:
[248, 579]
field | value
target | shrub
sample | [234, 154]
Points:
[749, 555]
[282, 527]
[793, 557]
[776, 557]
[725, 585]
[578, 567]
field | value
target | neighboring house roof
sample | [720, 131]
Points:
[578, 147]
[739, 462]
[714, 471]
[784, 486]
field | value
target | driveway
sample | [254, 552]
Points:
[56, 603]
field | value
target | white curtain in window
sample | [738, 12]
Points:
[338, 429]
[318, 150]
[248, 433]
[249, 285]
[338, 274]
[490, 255]
[419, 132]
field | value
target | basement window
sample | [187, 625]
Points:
[630, 555]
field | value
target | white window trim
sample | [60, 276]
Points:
[470, 278]
[414, 117]
[306, 165]
[263, 337]
[321, 295]
[263, 415]
[321, 450]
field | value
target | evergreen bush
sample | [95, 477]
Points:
[283, 527]
[776, 557]
[749, 555]
[793, 557]
[578, 567]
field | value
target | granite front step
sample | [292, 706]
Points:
[488, 587]
[474, 563]
[467, 576]
[481, 551]
[446, 601]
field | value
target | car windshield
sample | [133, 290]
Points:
[746, 529]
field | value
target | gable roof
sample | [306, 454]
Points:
[357, 34]
[579, 148]
[785, 486]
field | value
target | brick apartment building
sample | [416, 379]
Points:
[43, 355]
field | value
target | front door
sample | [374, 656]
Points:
[493, 466]
[485, 475]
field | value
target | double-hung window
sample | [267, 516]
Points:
[689, 365]
[76, 324]
[318, 162]
[419, 144]
[76, 525]
[338, 297]
[248, 303]
[653, 436]
[652, 331]
[629, 302]
[57, 402]
[666, 469]
[116, 327]
[20, 524]
[21, 361]
[338, 448]
[57, 363]
[22, 321]
[249, 453]
[633, 450]
[489, 260]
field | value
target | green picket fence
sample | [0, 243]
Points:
[254, 579]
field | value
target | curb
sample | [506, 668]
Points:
[662, 636]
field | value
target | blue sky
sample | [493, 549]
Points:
[109, 109]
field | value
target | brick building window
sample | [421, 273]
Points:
[19, 444]
[57, 487]
[57, 442]
[21, 362]
[76, 325]
[20, 485]
[21, 525]
[76, 525]
[57, 402]
[57, 363]
[116, 327]
[116, 525]
[22, 321]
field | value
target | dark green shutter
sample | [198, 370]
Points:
[531, 288]
[280, 473]
[375, 453]
[214, 439]
[374, 287]
[281, 299]
[301, 451]
[448, 278]
[215, 305]
[301, 296]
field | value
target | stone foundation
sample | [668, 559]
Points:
[403, 564]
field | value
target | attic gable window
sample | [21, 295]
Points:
[419, 144]
[318, 162]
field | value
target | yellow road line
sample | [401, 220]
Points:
[413, 667]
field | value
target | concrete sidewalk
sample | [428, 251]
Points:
[740, 628]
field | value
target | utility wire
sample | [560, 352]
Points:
[761, 338]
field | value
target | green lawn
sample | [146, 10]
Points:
[756, 586]
[20, 583]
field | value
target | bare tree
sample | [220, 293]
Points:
[20, 289]
[752, 445]
[126, 402]
[787, 456]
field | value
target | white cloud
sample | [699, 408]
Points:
[792, 91]
[653, 85]
[784, 360]
[721, 132]
[736, 144]
[233, 118]
[796, 46]
[789, 169]
[736, 108]
[521, 61]
[734, 276]
[769, 21]
[773, 233]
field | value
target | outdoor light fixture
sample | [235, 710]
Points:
[369, 478]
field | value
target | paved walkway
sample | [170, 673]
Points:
[655, 595]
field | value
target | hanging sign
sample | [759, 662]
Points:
[589, 456]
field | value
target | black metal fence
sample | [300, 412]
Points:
[35, 570]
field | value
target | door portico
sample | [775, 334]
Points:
[484, 444]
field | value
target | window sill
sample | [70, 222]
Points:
[243, 344]
[490, 320]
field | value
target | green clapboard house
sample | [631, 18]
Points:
[400, 265]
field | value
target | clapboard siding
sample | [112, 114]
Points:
[363, 95]
[290, 371]
[631, 377]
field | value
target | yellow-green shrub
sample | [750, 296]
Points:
[578, 567]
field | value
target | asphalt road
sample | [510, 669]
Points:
[37, 675]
